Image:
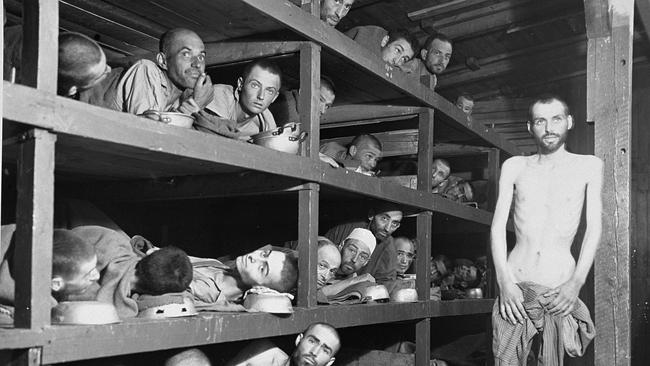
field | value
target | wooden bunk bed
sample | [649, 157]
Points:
[121, 154]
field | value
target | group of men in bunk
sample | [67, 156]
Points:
[105, 264]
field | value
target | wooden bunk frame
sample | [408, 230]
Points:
[78, 134]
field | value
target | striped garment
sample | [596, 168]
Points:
[512, 343]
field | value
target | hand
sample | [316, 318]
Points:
[203, 91]
[566, 299]
[365, 277]
[326, 159]
[511, 305]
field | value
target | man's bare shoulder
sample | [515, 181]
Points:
[515, 163]
[586, 163]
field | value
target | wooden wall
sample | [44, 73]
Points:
[640, 207]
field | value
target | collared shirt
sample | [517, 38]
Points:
[572, 333]
[145, 86]
[260, 353]
[224, 105]
[207, 286]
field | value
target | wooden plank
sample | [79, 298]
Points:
[441, 9]
[40, 44]
[609, 72]
[501, 105]
[34, 220]
[424, 224]
[29, 357]
[294, 18]
[219, 53]
[308, 201]
[186, 187]
[136, 335]
[309, 98]
[362, 112]
[422, 342]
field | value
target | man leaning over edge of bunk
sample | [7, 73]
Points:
[356, 251]
[549, 189]
[315, 346]
[434, 57]
[242, 111]
[175, 82]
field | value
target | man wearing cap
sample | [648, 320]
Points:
[382, 221]
[356, 251]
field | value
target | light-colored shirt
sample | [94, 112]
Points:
[143, 87]
[260, 353]
[224, 105]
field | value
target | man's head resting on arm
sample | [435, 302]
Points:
[82, 64]
[367, 150]
[74, 264]
[316, 346]
[182, 56]
[258, 86]
[398, 47]
[329, 261]
[270, 267]
[164, 271]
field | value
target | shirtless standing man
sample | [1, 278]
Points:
[549, 189]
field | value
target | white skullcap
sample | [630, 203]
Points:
[365, 236]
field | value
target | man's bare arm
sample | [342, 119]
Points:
[568, 292]
[510, 296]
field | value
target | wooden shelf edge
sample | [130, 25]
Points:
[75, 342]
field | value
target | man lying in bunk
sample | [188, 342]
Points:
[441, 171]
[434, 57]
[361, 156]
[356, 250]
[315, 346]
[73, 265]
[242, 111]
[285, 108]
[220, 286]
[176, 81]
[329, 261]
[382, 221]
[395, 47]
[332, 11]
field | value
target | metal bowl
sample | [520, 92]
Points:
[174, 310]
[170, 118]
[474, 293]
[404, 295]
[268, 303]
[286, 138]
[84, 312]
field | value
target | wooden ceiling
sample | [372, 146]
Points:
[519, 47]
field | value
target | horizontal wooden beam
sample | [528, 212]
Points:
[332, 40]
[362, 112]
[69, 343]
[405, 142]
[440, 10]
[232, 52]
[501, 105]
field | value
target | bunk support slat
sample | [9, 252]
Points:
[424, 223]
[308, 200]
[34, 221]
[40, 44]
[309, 98]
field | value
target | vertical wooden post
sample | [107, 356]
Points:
[34, 225]
[40, 44]
[308, 198]
[307, 244]
[493, 170]
[30, 357]
[609, 74]
[308, 103]
[424, 224]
